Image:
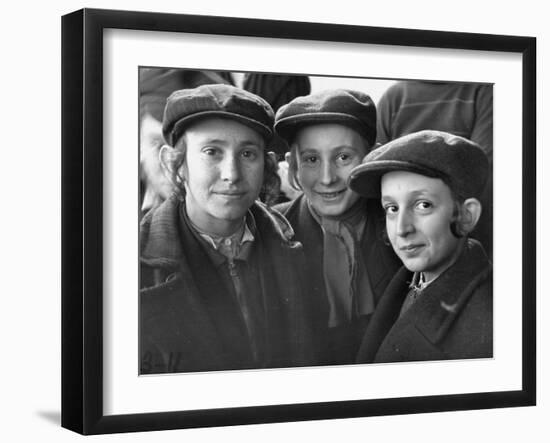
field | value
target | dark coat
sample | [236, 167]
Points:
[191, 321]
[451, 319]
[339, 345]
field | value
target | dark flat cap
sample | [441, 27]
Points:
[459, 162]
[350, 108]
[186, 106]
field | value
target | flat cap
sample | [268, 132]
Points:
[459, 162]
[350, 108]
[186, 106]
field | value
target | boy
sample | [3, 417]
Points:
[439, 305]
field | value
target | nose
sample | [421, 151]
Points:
[230, 169]
[404, 224]
[327, 173]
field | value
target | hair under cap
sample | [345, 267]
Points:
[186, 106]
[459, 162]
[354, 109]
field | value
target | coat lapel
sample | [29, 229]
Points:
[443, 300]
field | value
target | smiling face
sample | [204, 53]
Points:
[419, 211]
[325, 156]
[222, 171]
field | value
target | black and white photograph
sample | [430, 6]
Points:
[292, 220]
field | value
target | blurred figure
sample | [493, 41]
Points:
[155, 184]
[464, 109]
[348, 263]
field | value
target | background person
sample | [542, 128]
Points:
[220, 275]
[347, 262]
[439, 305]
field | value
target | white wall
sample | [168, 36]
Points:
[30, 180]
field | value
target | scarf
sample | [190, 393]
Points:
[347, 283]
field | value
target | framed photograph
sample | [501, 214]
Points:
[140, 356]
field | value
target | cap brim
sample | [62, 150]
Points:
[179, 127]
[365, 179]
[287, 127]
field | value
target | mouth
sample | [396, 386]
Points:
[330, 195]
[411, 249]
[230, 194]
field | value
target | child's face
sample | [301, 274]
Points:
[419, 211]
[223, 172]
[326, 154]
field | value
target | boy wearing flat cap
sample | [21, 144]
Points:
[439, 305]
[348, 263]
[219, 271]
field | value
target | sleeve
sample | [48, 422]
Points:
[482, 132]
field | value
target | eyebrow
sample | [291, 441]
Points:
[315, 150]
[308, 151]
[213, 140]
[413, 194]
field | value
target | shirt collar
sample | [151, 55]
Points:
[418, 281]
[218, 242]
[217, 248]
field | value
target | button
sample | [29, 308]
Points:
[227, 241]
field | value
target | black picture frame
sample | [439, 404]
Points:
[82, 220]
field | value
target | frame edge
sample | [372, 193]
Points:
[72, 106]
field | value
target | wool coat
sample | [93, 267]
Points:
[452, 317]
[191, 321]
[339, 345]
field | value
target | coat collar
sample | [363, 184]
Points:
[443, 300]
[160, 237]
[381, 261]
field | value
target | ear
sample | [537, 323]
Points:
[165, 158]
[171, 165]
[287, 157]
[471, 211]
[291, 158]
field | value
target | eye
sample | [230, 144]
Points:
[344, 158]
[424, 205]
[250, 154]
[210, 151]
[390, 209]
[310, 159]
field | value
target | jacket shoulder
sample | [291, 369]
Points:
[269, 218]
[472, 334]
[283, 207]
[291, 208]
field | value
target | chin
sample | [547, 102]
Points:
[229, 214]
[234, 215]
[330, 212]
[413, 265]
[333, 210]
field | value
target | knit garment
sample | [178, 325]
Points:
[346, 279]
